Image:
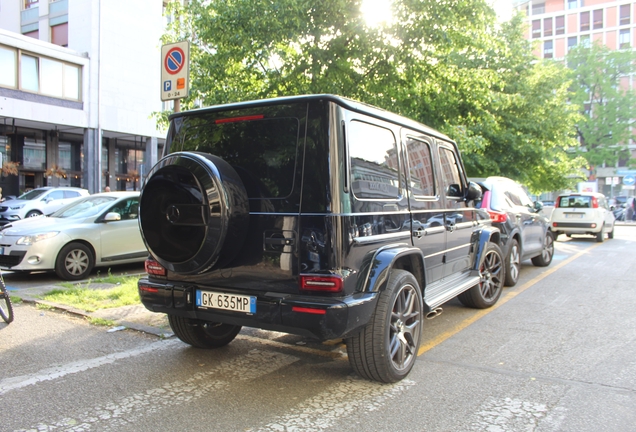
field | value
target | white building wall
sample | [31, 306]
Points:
[10, 15]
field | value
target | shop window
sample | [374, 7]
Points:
[598, 19]
[8, 60]
[59, 35]
[547, 27]
[625, 14]
[585, 21]
[34, 154]
[559, 25]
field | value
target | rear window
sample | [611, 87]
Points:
[575, 202]
[261, 144]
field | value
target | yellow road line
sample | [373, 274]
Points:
[483, 312]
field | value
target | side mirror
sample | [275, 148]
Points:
[112, 216]
[474, 192]
[538, 206]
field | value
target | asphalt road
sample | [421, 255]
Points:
[555, 354]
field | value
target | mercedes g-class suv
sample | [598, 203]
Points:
[313, 215]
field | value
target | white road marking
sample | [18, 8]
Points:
[354, 395]
[509, 414]
[49, 374]
[117, 414]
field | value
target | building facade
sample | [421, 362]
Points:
[79, 82]
[556, 26]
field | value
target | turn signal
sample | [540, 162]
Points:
[329, 284]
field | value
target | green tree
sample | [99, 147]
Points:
[600, 86]
[443, 63]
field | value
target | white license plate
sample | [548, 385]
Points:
[574, 215]
[231, 302]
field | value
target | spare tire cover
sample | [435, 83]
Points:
[193, 212]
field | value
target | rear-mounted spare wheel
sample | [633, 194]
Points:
[193, 212]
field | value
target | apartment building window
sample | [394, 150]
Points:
[41, 75]
[585, 21]
[624, 38]
[585, 41]
[8, 72]
[559, 25]
[573, 4]
[547, 49]
[547, 27]
[59, 35]
[572, 42]
[625, 14]
[598, 19]
[536, 29]
[538, 9]
[28, 4]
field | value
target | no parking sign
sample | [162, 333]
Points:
[175, 70]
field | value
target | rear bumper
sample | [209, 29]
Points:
[342, 316]
[577, 227]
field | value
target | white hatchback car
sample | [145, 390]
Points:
[39, 201]
[582, 213]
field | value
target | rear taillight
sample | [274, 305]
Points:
[498, 217]
[328, 284]
[313, 311]
[148, 289]
[154, 268]
[594, 202]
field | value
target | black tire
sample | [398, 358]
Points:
[33, 213]
[600, 236]
[74, 262]
[513, 263]
[203, 334]
[193, 212]
[547, 252]
[386, 349]
[492, 274]
[610, 235]
[6, 307]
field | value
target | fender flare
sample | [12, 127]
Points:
[481, 238]
[378, 264]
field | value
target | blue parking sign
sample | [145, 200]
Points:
[167, 85]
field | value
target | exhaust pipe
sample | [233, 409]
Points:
[434, 313]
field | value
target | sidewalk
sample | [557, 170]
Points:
[134, 317]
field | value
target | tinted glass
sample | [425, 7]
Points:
[420, 167]
[450, 172]
[374, 162]
[575, 202]
[262, 147]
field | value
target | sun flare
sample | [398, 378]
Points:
[377, 12]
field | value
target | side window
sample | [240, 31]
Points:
[524, 198]
[128, 209]
[450, 173]
[71, 194]
[374, 162]
[55, 195]
[420, 167]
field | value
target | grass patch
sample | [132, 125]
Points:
[89, 298]
[101, 322]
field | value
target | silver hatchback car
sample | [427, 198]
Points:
[37, 202]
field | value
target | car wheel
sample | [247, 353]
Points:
[610, 234]
[193, 212]
[33, 213]
[203, 334]
[547, 252]
[386, 349]
[75, 261]
[513, 263]
[600, 236]
[492, 276]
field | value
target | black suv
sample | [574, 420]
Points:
[525, 232]
[313, 215]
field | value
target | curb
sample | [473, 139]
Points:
[127, 324]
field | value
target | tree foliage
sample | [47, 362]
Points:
[608, 105]
[443, 63]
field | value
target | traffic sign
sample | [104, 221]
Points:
[629, 180]
[175, 70]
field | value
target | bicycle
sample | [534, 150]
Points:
[6, 308]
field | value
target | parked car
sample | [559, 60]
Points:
[313, 215]
[525, 232]
[98, 230]
[583, 213]
[37, 202]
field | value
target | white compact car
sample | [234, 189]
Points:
[582, 213]
[97, 230]
[37, 202]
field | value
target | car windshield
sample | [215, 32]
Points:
[84, 208]
[577, 201]
[32, 194]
